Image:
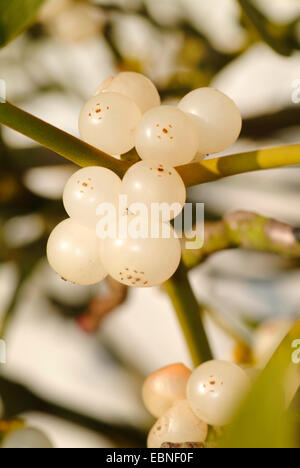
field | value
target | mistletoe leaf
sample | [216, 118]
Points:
[15, 17]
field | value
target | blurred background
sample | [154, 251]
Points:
[77, 357]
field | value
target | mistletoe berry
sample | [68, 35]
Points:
[217, 117]
[168, 135]
[73, 252]
[215, 389]
[108, 121]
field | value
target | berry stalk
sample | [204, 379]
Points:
[188, 313]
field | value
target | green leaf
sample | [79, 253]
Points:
[263, 421]
[15, 16]
[279, 37]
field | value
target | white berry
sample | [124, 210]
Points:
[86, 190]
[163, 387]
[137, 87]
[141, 262]
[177, 425]
[151, 182]
[73, 252]
[167, 134]
[217, 117]
[26, 438]
[104, 85]
[108, 121]
[215, 389]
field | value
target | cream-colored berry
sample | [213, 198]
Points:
[215, 390]
[217, 117]
[164, 386]
[86, 190]
[73, 252]
[152, 182]
[168, 135]
[137, 87]
[143, 261]
[178, 425]
[108, 121]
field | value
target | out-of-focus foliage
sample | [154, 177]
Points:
[15, 16]
[189, 56]
[264, 421]
[282, 38]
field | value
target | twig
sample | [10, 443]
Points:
[100, 307]
[60, 142]
[188, 314]
[84, 155]
[246, 230]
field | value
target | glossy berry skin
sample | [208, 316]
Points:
[150, 182]
[141, 262]
[178, 425]
[135, 86]
[108, 121]
[73, 252]
[86, 190]
[215, 390]
[104, 85]
[26, 438]
[217, 117]
[164, 386]
[168, 135]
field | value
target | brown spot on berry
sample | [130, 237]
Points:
[165, 131]
[85, 184]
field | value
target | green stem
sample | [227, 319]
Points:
[218, 168]
[246, 230]
[11, 308]
[60, 142]
[188, 313]
[81, 153]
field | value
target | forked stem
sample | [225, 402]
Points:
[83, 155]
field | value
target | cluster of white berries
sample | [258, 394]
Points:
[126, 113]
[186, 402]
